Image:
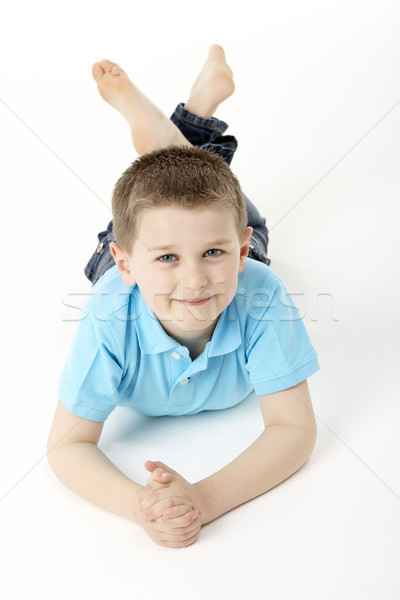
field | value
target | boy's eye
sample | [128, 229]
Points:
[166, 258]
[213, 252]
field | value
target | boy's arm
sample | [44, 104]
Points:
[282, 448]
[81, 466]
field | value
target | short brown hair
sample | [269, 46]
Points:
[177, 175]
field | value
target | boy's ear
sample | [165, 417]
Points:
[123, 265]
[244, 248]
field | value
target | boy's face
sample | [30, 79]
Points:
[186, 264]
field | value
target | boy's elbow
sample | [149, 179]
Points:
[303, 439]
[67, 431]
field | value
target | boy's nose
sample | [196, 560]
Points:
[193, 279]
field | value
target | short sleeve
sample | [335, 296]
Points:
[279, 351]
[88, 386]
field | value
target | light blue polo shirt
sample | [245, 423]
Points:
[122, 356]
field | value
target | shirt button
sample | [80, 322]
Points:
[175, 355]
[184, 381]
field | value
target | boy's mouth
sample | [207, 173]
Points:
[195, 301]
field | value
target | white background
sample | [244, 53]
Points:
[317, 115]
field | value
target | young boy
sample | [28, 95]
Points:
[181, 320]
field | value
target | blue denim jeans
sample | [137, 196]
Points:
[206, 134]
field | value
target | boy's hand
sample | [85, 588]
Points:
[166, 504]
[172, 499]
[161, 474]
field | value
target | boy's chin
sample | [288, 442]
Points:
[188, 326]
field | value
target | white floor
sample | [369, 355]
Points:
[317, 115]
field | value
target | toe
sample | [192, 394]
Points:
[107, 64]
[217, 50]
[97, 71]
[116, 70]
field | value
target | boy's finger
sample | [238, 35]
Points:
[160, 475]
[177, 538]
[162, 496]
[152, 465]
[190, 519]
[177, 511]
[187, 527]
[181, 525]
[151, 511]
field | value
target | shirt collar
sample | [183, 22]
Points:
[227, 335]
[152, 337]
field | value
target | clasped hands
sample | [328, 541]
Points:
[170, 507]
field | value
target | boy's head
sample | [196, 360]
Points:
[179, 220]
[179, 175]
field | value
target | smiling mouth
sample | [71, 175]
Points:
[195, 302]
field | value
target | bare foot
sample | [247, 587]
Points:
[213, 84]
[150, 128]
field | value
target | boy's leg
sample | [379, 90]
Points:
[195, 120]
[150, 128]
[206, 133]
[102, 259]
[259, 238]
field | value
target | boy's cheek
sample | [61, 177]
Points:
[157, 300]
